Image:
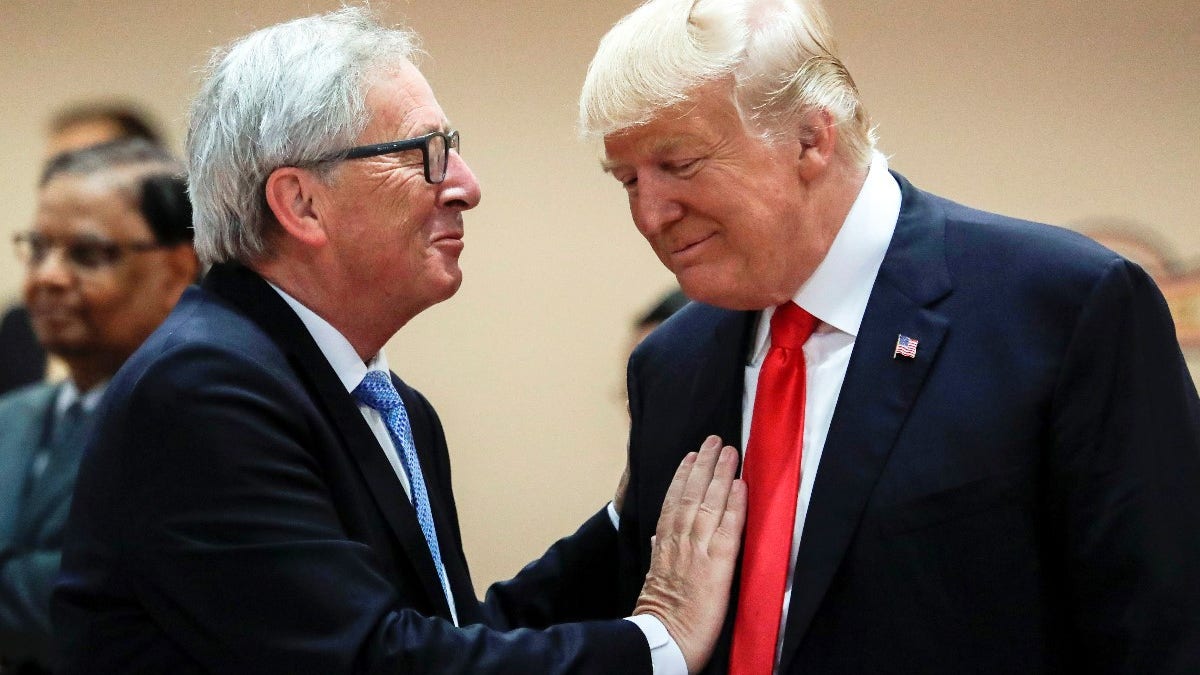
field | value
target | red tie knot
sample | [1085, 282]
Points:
[791, 326]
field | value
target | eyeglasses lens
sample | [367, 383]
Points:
[84, 255]
[437, 158]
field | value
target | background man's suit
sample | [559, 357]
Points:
[33, 513]
[270, 529]
[1020, 497]
[22, 359]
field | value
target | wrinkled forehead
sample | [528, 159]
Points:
[706, 118]
[401, 103]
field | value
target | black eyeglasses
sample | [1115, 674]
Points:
[86, 254]
[435, 152]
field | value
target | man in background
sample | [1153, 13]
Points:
[262, 494]
[971, 443]
[22, 360]
[670, 302]
[107, 257]
[90, 123]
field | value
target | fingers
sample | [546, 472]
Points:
[714, 506]
[675, 490]
[727, 539]
[694, 553]
[689, 487]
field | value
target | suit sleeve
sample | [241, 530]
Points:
[575, 580]
[26, 579]
[1125, 483]
[229, 538]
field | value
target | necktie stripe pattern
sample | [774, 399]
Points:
[376, 391]
[772, 474]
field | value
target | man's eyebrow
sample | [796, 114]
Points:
[658, 147]
[609, 165]
[444, 126]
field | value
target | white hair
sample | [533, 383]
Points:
[779, 55]
[288, 95]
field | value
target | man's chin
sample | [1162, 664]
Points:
[66, 348]
[724, 294]
[452, 283]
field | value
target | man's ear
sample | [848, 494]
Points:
[292, 194]
[818, 143]
[183, 263]
[183, 268]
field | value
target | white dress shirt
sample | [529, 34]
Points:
[68, 393]
[836, 294]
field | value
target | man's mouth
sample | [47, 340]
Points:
[691, 244]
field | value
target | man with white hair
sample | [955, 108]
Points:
[971, 444]
[261, 494]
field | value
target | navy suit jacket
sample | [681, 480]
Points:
[33, 514]
[1023, 496]
[235, 514]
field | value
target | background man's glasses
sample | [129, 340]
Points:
[85, 254]
[435, 152]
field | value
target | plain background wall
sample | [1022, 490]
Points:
[1054, 110]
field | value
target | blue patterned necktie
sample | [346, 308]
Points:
[376, 391]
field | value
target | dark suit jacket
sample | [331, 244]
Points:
[235, 514]
[33, 513]
[1021, 497]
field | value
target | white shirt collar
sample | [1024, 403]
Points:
[837, 292]
[337, 349]
[68, 394]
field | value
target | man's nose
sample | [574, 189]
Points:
[460, 189]
[52, 267]
[654, 206]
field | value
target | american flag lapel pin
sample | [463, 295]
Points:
[906, 347]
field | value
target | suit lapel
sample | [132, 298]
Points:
[52, 491]
[717, 384]
[726, 377]
[255, 298]
[875, 399]
[24, 430]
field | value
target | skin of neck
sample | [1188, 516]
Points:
[366, 327]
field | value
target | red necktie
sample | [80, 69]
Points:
[772, 474]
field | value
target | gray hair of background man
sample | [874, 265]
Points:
[780, 55]
[289, 95]
[147, 175]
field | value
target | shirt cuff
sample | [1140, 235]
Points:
[665, 655]
[613, 516]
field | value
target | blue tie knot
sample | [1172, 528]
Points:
[376, 391]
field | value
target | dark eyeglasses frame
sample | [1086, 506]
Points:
[80, 253]
[451, 140]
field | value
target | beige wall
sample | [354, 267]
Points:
[1058, 110]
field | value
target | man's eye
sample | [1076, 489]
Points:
[93, 254]
[682, 166]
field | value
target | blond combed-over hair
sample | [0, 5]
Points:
[779, 55]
